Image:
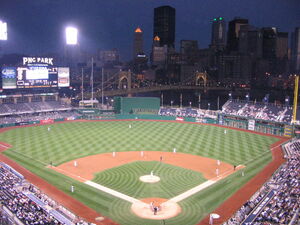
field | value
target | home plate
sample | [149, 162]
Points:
[149, 179]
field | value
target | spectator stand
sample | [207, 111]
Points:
[277, 202]
[23, 203]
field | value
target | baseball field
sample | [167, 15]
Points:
[198, 166]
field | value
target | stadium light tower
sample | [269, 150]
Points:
[71, 36]
[3, 31]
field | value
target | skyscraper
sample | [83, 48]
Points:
[189, 51]
[218, 38]
[282, 44]
[164, 25]
[295, 56]
[250, 41]
[269, 42]
[138, 42]
[233, 33]
[159, 54]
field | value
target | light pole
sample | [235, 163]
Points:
[102, 75]
[82, 84]
[208, 106]
[3, 32]
[71, 35]
[190, 104]
[171, 103]
[181, 100]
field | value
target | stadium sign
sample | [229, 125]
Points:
[32, 60]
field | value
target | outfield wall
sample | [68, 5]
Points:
[273, 128]
[124, 105]
[267, 127]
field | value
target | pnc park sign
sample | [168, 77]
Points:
[33, 60]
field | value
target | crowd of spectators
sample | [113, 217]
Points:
[33, 107]
[14, 196]
[37, 116]
[14, 199]
[283, 206]
[258, 110]
[187, 112]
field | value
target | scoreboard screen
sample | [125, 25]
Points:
[35, 77]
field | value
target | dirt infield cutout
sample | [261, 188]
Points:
[83, 169]
[86, 167]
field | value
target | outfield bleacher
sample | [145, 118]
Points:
[258, 110]
[187, 112]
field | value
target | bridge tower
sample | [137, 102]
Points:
[201, 78]
[125, 81]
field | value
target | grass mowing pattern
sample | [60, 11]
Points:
[34, 147]
[125, 179]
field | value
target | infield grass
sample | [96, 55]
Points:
[36, 147]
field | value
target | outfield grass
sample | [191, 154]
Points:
[35, 147]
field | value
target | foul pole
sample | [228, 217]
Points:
[295, 98]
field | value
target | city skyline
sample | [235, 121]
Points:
[36, 27]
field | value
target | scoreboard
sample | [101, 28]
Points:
[35, 76]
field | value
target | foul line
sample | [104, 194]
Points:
[113, 192]
[4, 146]
[198, 188]
[133, 200]
[175, 199]
[192, 191]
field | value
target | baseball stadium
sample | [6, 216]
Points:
[140, 162]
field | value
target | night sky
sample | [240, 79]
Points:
[37, 26]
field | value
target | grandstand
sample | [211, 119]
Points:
[277, 201]
[23, 203]
[259, 110]
[16, 109]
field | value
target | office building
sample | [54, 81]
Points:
[234, 27]
[295, 51]
[109, 56]
[138, 43]
[269, 42]
[159, 53]
[189, 51]
[282, 45]
[250, 41]
[218, 35]
[164, 25]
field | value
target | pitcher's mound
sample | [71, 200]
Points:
[166, 209]
[149, 179]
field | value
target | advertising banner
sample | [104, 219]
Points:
[48, 121]
[9, 77]
[251, 124]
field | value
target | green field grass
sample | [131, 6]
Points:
[125, 179]
[35, 147]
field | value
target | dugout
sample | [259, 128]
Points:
[136, 105]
